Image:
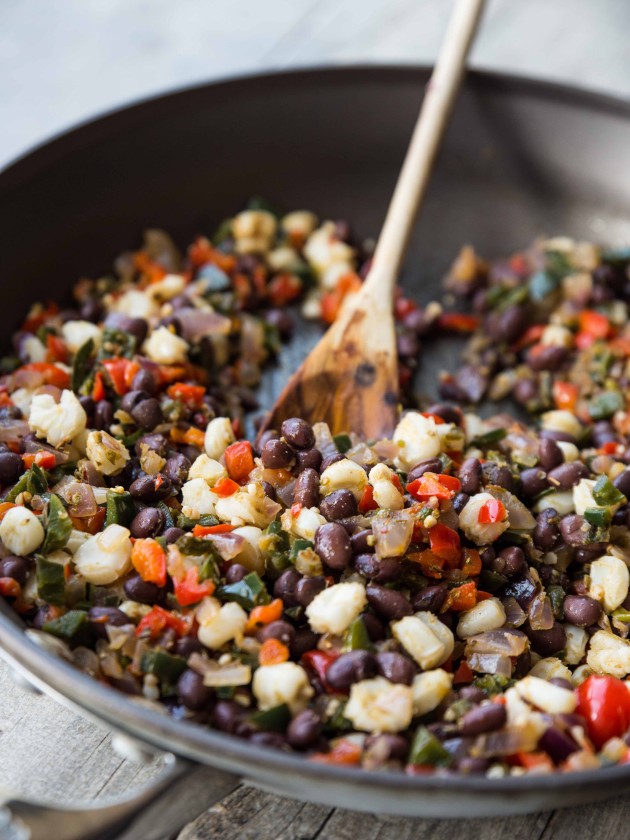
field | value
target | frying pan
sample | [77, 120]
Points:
[521, 158]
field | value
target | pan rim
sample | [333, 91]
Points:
[185, 738]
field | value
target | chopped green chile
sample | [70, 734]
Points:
[357, 637]
[605, 493]
[249, 592]
[33, 481]
[165, 666]
[187, 524]
[51, 581]
[275, 719]
[342, 442]
[556, 596]
[427, 749]
[605, 405]
[488, 438]
[298, 546]
[58, 526]
[68, 626]
[598, 517]
[120, 508]
[81, 365]
[490, 581]
[169, 522]
[116, 343]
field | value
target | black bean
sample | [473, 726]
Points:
[157, 442]
[533, 482]
[549, 434]
[388, 747]
[171, 535]
[282, 321]
[186, 646]
[374, 626]
[417, 321]
[192, 692]
[470, 474]
[100, 617]
[145, 381]
[14, 567]
[306, 490]
[581, 610]
[235, 572]
[227, 715]
[143, 591]
[557, 744]
[469, 766]
[429, 599]
[588, 553]
[460, 501]
[513, 561]
[387, 602]
[131, 399]
[602, 432]
[103, 415]
[360, 542]
[568, 475]
[488, 556]
[269, 434]
[525, 391]
[308, 459]
[88, 404]
[498, 474]
[305, 640]
[332, 544]
[307, 588]
[277, 455]
[485, 718]
[350, 668]
[148, 414]
[395, 667]
[622, 483]
[549, 454]
[511, 323]
[448, 413]
[338, 505]
[298, 433]
[284, 587]
[280, 630]
[546, 532]
[433, 465]
[275, 740]
[151, 488]
[91, 310]
[547, 357]
[472, 694]
[575, 529]
[176, 468]
[147, 523]
[331, 459]
[380, 570]
[304, 730]
[547, 642]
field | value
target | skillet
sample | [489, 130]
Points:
[521, 158]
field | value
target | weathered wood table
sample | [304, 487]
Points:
[63, 61]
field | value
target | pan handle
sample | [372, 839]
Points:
[181, 792]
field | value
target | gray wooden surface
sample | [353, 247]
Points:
[65, 61]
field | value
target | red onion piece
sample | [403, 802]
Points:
[540, 613]
[392, 533]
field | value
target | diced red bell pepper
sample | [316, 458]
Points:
[34, 322]
[491, 512]
[367, 502]
[204, 530]
[432, 565]
[344, 752]
[149, 560]
[98, 391]
[471, 566]
[605, 703]
[461, 598]
[318, 662]
[190, 590]
[284, 289]
[51, 374]
[295, 509]
[120, 373]
[445, 543]
[434, 484]
[89, 524]
[531, 335]
[594, 323]
[225, 487]
[191, 395]
[458, 322]
[239, 460]
[403, 307]
[583, 340]
[159, 619]
[463, 675]
[45, 460]
[565, 395]
[57, 348]
[608, 448]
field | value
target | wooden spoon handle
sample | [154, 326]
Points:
[414, 175]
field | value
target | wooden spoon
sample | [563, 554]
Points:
[350, 378]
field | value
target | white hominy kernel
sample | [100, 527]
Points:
[299, 224]
[546, 696]
[197, 498]
[423, 640]
[609, 654]
[549, 668]
[610, 581]
[429, 689]
[165, 347]
[248, 506]
[250, 554]
[283, 258]
[219, 435]
[21, 531]
[569, 451]
[305, 524]
[334, 609]
[417, 439]
[561, 421]
[108, 455]
[343, 475]
[219, 624]
[207, 468]
[57, 422]
[286, 682]
[254, 224]
[105, 557]
[484, 616]
[77, 333]
[577, 639]
[377, 705]
[323, 249]
[556, 336]
[559, 500]
[480, 533]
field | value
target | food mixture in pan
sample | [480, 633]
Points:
[455, 599]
